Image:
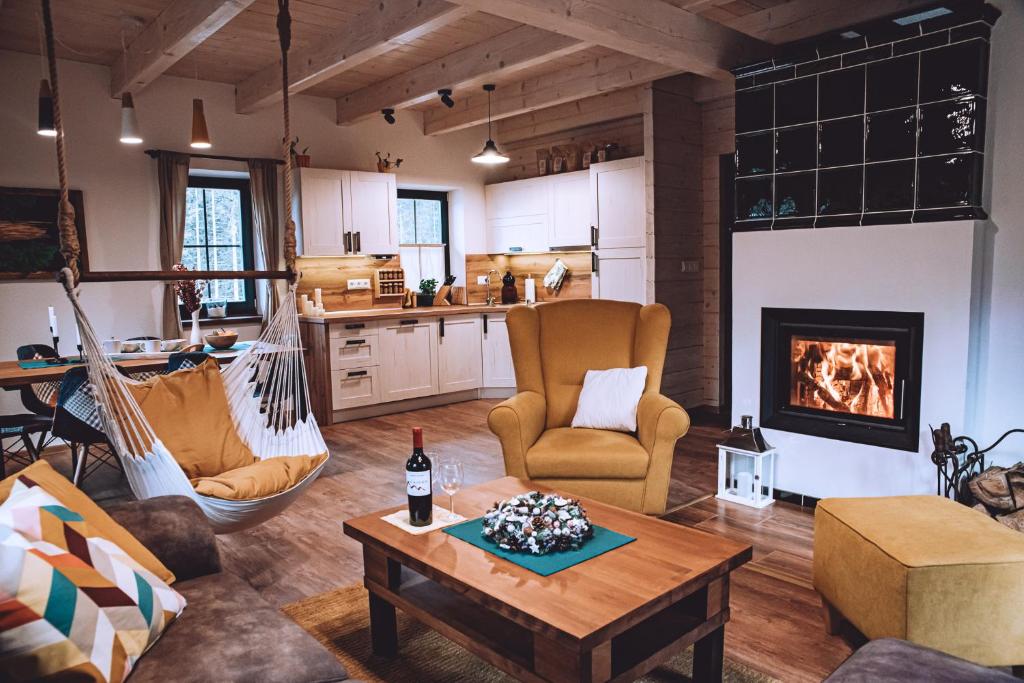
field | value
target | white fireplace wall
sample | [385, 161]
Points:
[929, 267]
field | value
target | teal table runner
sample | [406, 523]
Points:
[239, 346]
[36, 364]
[545, 565]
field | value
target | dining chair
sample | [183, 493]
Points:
[38, 398]
[77, 421]
[16, 439]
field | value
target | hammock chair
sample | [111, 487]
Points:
[266, 391]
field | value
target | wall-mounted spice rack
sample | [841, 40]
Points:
[389, 282]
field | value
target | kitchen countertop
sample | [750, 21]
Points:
[393, 313]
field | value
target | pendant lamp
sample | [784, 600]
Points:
[45, 126]
[200, 133]
[129, 124]
[490, 154]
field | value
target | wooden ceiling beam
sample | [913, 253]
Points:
[380, 29]
[588, 111]
[179, 28]
[800, 19]
[600, 75]
[521, 48]
[654, 30]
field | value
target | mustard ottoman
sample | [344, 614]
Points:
[925, 569]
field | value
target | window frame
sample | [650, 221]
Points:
[235, 308]
[441, 197]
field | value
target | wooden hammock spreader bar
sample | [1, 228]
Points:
[171, 275]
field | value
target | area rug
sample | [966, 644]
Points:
[340, 621]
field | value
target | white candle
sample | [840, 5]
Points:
[307, 307]
[531, 290]
[318, 296]
[53, 323]
[78, 336]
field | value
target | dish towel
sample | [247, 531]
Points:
[555, 277]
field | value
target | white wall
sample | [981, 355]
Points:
[926, 268]
[119, 181]
[1000, 400]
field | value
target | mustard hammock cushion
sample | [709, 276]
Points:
[188, 411]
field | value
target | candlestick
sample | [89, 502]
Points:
[53, 322]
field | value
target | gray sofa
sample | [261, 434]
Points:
[890, 660]
[227, 632]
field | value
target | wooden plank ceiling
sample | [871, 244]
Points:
[543, 56]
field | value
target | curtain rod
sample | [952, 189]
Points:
[156, 152]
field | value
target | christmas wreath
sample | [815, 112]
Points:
[537, 523]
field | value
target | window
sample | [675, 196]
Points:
[423, 236]
[218, 236]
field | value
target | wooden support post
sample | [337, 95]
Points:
[708, 655]
[557, 662]
[383, 571]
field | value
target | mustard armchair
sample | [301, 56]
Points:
[553, 346]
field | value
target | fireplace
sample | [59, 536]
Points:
[848, 375]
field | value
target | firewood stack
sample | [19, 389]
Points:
[999, 492]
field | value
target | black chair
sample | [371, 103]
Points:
[77, 421]
[185, 359]
[39, 399]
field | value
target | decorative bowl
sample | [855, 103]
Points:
[171, 345]
[222, 339]
[537, 523]
[131, 346]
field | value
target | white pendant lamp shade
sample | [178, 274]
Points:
[200, 133]
[490, 154]
[130, 134]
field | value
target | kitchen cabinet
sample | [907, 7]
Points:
[408, 358]
[569, 212]
[355, 387]
[619, 274]
[498, 370]
[373, 212]
[353, 352]
[618, 203]
[517, 215]
[458, 353]
[346, 212]
[322, 212]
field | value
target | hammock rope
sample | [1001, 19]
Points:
[266, 385]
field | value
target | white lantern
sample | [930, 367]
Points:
[746, 467]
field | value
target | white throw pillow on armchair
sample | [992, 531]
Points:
[609, 399]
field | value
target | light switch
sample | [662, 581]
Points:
[481, 279]
[358, 284]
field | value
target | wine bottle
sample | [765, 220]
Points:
[418, 483]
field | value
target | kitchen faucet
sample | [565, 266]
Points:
[490, 297]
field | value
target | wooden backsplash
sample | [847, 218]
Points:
[331, 275]
[575, 286]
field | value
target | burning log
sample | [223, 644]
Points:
[20, 232]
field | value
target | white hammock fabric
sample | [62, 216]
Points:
[268, 397]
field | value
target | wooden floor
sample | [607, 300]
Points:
[776, 624]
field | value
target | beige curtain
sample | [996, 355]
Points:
[172, 176]
[266, 229]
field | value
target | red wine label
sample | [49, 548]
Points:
[417, 483]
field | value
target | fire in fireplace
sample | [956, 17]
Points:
[843, 375]
[850, 375]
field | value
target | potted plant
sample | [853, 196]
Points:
[386, 165]
[302, 159]
[428, 288]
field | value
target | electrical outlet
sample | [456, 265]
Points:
[690, 266]
[481, 279]
[358, 284]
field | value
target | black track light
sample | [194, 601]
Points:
[389, 115]
[446, 97]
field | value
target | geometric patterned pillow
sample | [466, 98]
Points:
[72, 603]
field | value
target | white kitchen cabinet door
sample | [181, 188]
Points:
[497, 355]
[619, 275]
[618, 203]
[354, 388]
[408, 359]
[373, 212]
[459, 362]
[569, 215]
[517, 215]
[322, 213]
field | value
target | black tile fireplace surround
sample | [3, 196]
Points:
[846, 375]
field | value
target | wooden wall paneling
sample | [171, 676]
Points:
[317, 356]
[575, 286]
[331, 276]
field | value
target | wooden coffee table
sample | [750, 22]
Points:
[614, 617]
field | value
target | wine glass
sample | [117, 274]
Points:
[450, 476]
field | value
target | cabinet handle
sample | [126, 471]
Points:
[355, 342]
[355, 326]
[485, 323]
[440, 327]
[593, 236]
[347, 239]
[408, 322]
[356, 373]
[359, 242]
[594, 262]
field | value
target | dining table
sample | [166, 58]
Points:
[13, 376]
